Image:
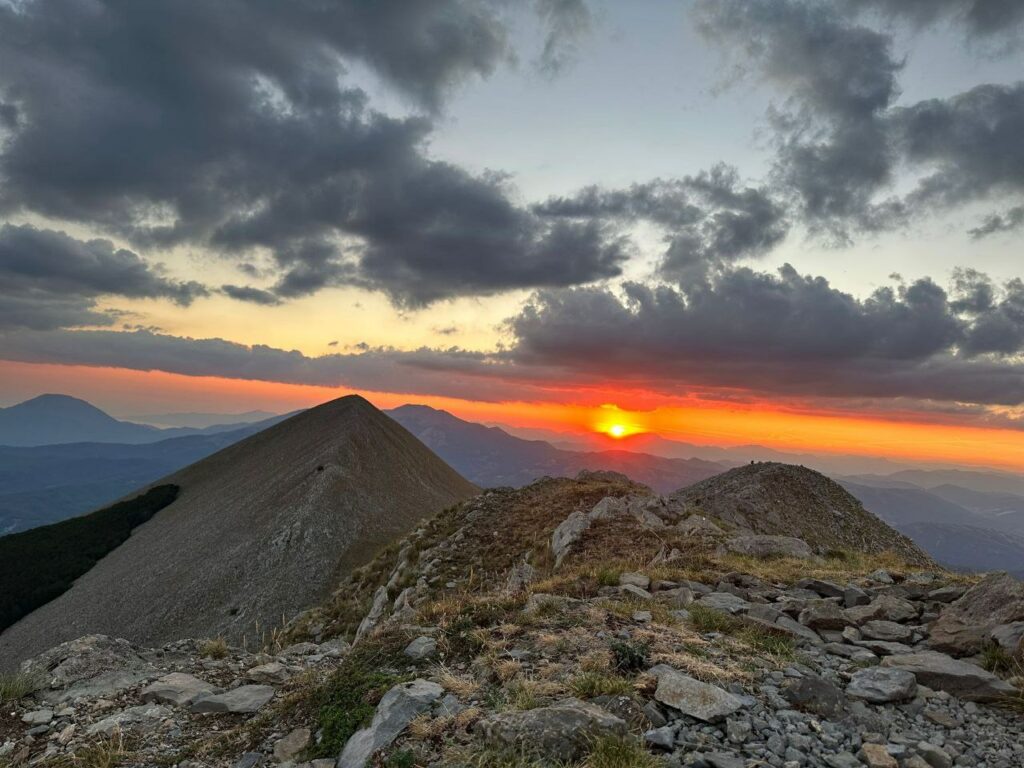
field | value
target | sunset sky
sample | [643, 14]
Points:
[799, 224]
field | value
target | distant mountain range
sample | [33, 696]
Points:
[60, 419]
[966, 519]
[491, 457]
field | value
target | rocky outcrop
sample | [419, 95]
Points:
[561, 733]
[944, 673]
[967, 625]
[396, 710]
[786, 500]
[692, 697]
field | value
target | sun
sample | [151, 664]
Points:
[617, 430]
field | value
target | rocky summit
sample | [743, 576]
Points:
[583, 622]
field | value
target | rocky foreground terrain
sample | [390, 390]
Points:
[571, 622]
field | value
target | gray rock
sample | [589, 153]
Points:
[697, 525]
[889, 631]
[960, 678]
[128, 718]
[272, 673]
[636, 579]
[769, 546]
[563, 732]
[83, 659]
[823, 614]
[886, 608]
[1009, 637]
[421, 648]
[852, 652]
[964, 626]
[798, 630]
[375, 614]
[177, 689]
[816, 695]
[396, 710]
[822, 587]
[103, 685]
[661, 738]
[38, 717]
[292, 745]
[568, 533]
[854, 596]
[631, 590]
[723, 760]
[251, 760]
[880, 685]
[947, 594]
[301, 649]
[884, 648]
[692, 697]
[244, 699]
[933, 755]
[725, 602]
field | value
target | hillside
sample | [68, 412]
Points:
[44, 484]
[788, 500]
[572, 622]
[491, 457]
[258, 530]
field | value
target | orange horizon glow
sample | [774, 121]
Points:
[714, 423]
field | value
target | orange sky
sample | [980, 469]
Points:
[127, 394]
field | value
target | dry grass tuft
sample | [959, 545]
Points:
[463, 686]
[217, 648]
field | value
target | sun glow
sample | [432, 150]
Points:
[617, 430]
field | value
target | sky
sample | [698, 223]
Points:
[790, 222]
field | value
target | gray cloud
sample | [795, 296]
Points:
[50, 280]
[710, 220]
[250, 294]
[567, 21]
[234, 125]
[982, 18]
[1000, 222]
[834, 154]
[785, 334]
[840, 137]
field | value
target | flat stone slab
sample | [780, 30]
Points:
[177, 689]
[692, 697]
[244, 699]
[880, 685]
[944, 673]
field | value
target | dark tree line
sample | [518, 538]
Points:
[42, 563]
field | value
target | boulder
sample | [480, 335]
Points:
[822, 587]
[560, 733]
[37, 717]
[421, 648]
[889, 631]
[568, 533]
[128, 718]
[726, 602]
[398, 707]
[959, 678]
[698, 525]
[877, 756]
[692, 697]
[963, 627]
[292, 745]
[823, 614]
[84, 659]
[272, 673]
[636, 579]
[881, 685]
[1009, 637]
[816, 695]
[884, 608]
[765, 546]
[243, 700]
[177, 689]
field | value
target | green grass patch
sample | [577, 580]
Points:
[706, 619]
[16, 685]
[629, 655]
[587, 685]
[612, 752]
[347, 700]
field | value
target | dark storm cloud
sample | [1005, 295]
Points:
[982, 18]
[50, 280]
[971, 140]
[709, 220]
[233, 125]
[834, 153]
[785, 334]
[840, 137]
[1000, 222]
